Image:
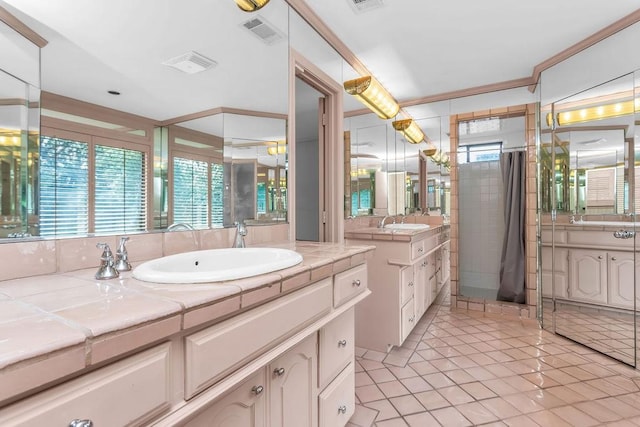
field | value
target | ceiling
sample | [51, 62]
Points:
[415, 49]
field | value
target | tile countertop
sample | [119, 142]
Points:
[377, 233]
[63, 323]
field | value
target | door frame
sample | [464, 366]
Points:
[300, 67]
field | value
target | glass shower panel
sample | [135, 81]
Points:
[593, 255]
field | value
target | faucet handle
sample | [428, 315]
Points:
[122, 261]
[106, 270]
[107, 255]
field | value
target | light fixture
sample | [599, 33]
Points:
[431, 149]
[251, 5]
[276, 149]
[373, 95]
[410, 130]
[597, 112]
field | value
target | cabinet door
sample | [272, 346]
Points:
[242, 407]
[420, 287]
[588, 275]
[292, 391]
[621, 278]
[561, 267]
[408, 317]
[406, 284]
[337, 401]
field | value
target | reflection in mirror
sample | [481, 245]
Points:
[589, 177]
[236, 164]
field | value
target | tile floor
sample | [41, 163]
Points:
[463, 368]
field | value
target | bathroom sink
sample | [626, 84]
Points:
[407, 226]
[215, 265]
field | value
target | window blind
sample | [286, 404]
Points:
[190, 192]
[64, 187]
[120, 190]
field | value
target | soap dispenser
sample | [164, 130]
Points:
[107, 269]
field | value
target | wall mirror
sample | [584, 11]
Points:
[385, 169]
[587, 150]
[251, 75]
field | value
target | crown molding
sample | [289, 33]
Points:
[19, 26]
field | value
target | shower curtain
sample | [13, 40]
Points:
[512, 265]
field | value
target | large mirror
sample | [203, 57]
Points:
[205, 168]
[388, 175]
[589, 180]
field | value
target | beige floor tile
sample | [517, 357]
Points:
[619, 406]
[381, 375]
[501, 408]
[574, 416]
[406, 405]
[499, 386]
[460, 376]
[363, 416]
[370, 365]
[404, 372]
[432, 400]
[598, 411]
[478, 390]
[416, 384]
[362, 378]
[423, 368]
[393, 389]
[422, 419]
[521, 421]
[374, 355]
[524, 403]
[589, 392]
[541, 380]
[548, 418]
[438, 380]
[385, 409]
[476, 413]
[450, 417]
[455, 395]
[369, 393]
[567, 394]
[395, 422]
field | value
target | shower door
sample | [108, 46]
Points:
[593, 225]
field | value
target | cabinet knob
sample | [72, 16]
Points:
[81, 423]
[599, 256]
[410, 283]
[257, 389]
[279, 371]
[613, 258]
[356, 282]
[411, 319]
[342, 409]
[420, 250]
[424, 263]
[342, 343]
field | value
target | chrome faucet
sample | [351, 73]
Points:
[107, 269]
[122, 257]
[241, 231]
[381, 224]
[180, 226]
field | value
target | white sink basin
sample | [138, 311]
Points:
[407, 226]
[215, 265]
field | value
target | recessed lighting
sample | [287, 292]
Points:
[113, 92]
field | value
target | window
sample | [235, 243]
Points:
[190, 192]
[119, 188]
[479, 152]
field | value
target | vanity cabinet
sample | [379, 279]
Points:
[129, 392]
[404, 276]
[287, 362]
[558, 261]
[620, 274]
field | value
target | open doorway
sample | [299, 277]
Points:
[317, 153]
[310, 146]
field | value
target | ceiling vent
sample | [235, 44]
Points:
[365, 5]
[262, 29]
[191, 63]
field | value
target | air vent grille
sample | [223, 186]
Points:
[262, 29]
[191, 63]
[365, 5]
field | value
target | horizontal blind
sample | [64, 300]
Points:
[217, 195]
[120, 190]
[190, 192]
[64, 187]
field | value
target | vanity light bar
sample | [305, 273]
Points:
[410, 130]
[251, 5]
[371, 93]
[595, 113]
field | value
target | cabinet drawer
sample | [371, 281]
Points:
[406, 284]
[417, 249]
[128, 392]
[408, 319]
[349, 283]
[337, 402]
[216, 351]
[336, 346]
